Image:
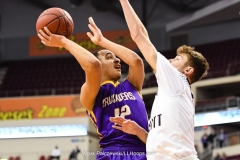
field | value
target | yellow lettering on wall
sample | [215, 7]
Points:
[41, 113]
[30, 113]
[16, 115]
[62, 111]
[22, 114]
[55, 112]
[48, 112]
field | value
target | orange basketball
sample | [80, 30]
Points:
[57, 20]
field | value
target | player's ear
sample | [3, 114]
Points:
[189, 70]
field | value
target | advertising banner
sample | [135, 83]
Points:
[219, 117]
[41, 107]
[43, 131]
[122, 37]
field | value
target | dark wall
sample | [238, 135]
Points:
[18, 19]
[211, 33]
[15, 48]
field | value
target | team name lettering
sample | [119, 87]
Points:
[117, 98]
[155, 122]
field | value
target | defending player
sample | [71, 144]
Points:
[104, 97]
[171, 134]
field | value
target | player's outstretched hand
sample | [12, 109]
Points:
[50, 39]
[125, 125]
[95, 35]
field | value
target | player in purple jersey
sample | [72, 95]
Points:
[104, 97]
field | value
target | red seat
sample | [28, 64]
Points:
[10, 158]
[42, 157]
[18, 158]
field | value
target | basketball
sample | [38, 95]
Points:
[57, 20]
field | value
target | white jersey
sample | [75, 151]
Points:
[171, 125]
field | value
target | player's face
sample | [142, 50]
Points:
[111, 67]
[179, 62]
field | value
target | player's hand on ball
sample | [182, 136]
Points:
[125, 125]
[96, 34]
[49, 39]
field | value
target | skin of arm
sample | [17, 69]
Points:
[90, 64]
[139, 34]
[136, 68]
[130, 127]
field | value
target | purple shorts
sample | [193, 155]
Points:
[121, 153]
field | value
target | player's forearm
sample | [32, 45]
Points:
[139, 34]
[142, 134]
[85, 58]
[134, 23]
[125, 54]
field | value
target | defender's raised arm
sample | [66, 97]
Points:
[139, 34]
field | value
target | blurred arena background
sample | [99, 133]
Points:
[39, 86]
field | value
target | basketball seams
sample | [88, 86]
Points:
[58, 19]
[62, 13]
[58, 25]
[66, 25]
[47, 14]
[69, 20]
[54, 19]
[71, 24]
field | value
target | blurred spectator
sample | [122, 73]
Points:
[211, 137]
[196, 148]
[224, 157]
[205, 141]
[74, 153]
[56, 153]
[221, 138]
[42, 157]
[18, 158]
[217, 157]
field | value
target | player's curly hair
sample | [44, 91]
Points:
[195, 60]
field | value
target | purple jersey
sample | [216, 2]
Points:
[113, 100]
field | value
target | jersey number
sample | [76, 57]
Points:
[123, 111]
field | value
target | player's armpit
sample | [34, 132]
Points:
[90, 89]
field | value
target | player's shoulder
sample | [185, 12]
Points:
[126, 83]
[184, 79]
